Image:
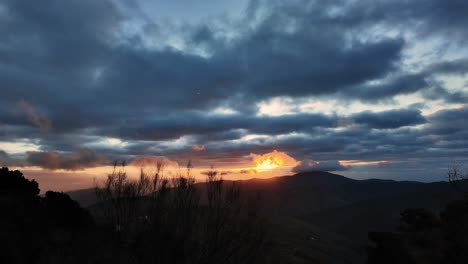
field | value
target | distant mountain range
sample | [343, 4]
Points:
[320, 217]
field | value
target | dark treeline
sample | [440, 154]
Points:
[159, 219]
[427, 237]
[153, 219]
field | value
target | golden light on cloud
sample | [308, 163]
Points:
[152, 161]
[273, 160]
[362, 162]
[196, 147]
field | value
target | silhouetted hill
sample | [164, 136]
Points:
[329, 215]
[86, 197]
[324, 217]
[382, 212]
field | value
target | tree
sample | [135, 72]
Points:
[176, 220]
[427, 237]
[458, 177]
[14, 183]
[20, 209]
[34, 228]
[63, 212]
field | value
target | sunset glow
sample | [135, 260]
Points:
[238, 88]
[273, 160]
[269, 164]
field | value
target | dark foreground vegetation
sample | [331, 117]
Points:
[149, 220]
[425, 237]
[313, 217]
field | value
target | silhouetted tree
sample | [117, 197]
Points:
[425, 237]
[458, 177]
[63, 212]
[34, 228]
[152, 219]
[160, 220]
[20, 209]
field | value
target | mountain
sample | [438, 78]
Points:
[86, 197]
[321, 217]
[326, 217]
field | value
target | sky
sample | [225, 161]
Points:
[366, 89]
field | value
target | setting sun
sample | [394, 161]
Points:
[269, 163]
[273, 160]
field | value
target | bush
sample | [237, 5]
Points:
[175, 220]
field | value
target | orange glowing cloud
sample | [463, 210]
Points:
[149, 161]
[273, 160]
[198, 147]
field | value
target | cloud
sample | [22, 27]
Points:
[449, 123]
[110, 69]
[390, 119]
[276, 159]
[82, 159]
[158, 95]
[311, 165]
[8, 161]
[35, 118]
[196, 147]
[152, 161]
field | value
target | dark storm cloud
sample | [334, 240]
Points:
[84, 158]
[363, 138]
[225, 127]
[267, 61]
[314, 59]
[449, 123]
[360, 142]
[35, 118]
[71, 75]
[67, 55]
[57, 37]
[405, 84]
[172, 127]
[428, 16]
[49, 52]
[390, 119]
[220, 136]
[429, 142]
[438, 92]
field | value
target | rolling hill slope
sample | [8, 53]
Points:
[320, 217]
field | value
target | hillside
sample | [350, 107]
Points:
[320, 217]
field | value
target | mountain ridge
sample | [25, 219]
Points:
[324, 217]
[314, 178]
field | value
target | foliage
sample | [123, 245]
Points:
[32, 225]
[14, 183]
[152, 219]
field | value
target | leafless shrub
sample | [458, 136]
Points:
[457, 175]
[183, 221]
